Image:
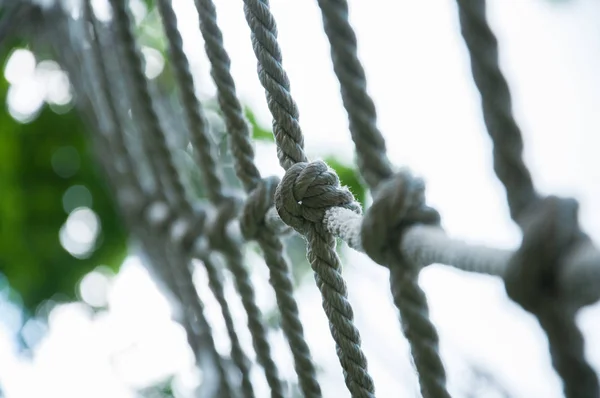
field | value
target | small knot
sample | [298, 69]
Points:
[398, 203]
[306, 191]
[550, 232]
[226, 211]
[257, 205]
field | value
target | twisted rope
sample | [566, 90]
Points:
[497, 107]
[305, 193]
[198, 129]
[375, 168]
[286, 128]
[196, 122]
[372, 159]
[260, 199]
[550, 226]
[237, 125]
[161, 162]
[181, 283]
[321, 245]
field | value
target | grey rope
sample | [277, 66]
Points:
[155, 144]
[377, 172]
[202, 342]
[203, 145]
[296, 186]
[286, 128]
[305, 193]
[221, 240]
[260, 199]
[236, 124]
[371, 148]
[550, 232]
[497, 107]
[550, 226]
[196, 122]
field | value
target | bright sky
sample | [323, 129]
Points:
[429, 111]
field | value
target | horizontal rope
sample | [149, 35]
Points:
[426, 245]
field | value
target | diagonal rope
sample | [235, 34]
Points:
[549, 225]
[299, 174]
[200, 338]
[260, 192]
[497, 107]
[156, 145]
[204, 147]
[409, 298]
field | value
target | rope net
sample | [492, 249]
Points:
[554, 273]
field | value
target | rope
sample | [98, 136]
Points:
[377, 172]
[295, 187]
[317, 188]
[549, 232]
[286, 128]
[550, 226]
[497, 107]
[198, 129]
[260, 199]
[237, 126]
[196, 122]
[158, 154]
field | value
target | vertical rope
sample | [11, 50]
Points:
[321, 245]
[236, 123]
[274, 79]
[196, 122]
[552, 228]
[370, 144]
[248, 173]
[375, 168]
[200, 338]
[199, 132]
[497, 107]
[158, 154]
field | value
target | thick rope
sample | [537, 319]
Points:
[286, 128]
[199, 337]
[550, 226]
[550, 232]
[260, 198]
[305, 193]
[199, 132]
[377, 172]
[196, 121]
[160, 158]
[236, 123]
[497, 107]
[372, 159]
[296, 182]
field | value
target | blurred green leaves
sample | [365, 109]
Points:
[46, 172]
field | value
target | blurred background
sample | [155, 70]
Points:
[79, 314]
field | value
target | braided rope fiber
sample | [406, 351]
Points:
[297, 180]
[376, 170]
[260, 198]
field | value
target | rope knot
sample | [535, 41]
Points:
[258, 203]
[307, 191]
[550, 231]
[398, 203]
[219, 232]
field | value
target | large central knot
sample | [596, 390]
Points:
[307, 191]
[398, 203]
[550, 232]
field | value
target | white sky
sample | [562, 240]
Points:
[429, 112]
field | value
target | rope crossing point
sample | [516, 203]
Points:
[555, 271]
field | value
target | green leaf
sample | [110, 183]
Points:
[258, 132]
[32, 210]
[350, 177]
